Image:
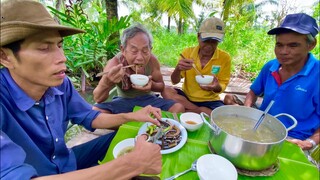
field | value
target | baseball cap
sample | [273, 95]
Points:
[22, 18]
[300, 23]
[212, 28]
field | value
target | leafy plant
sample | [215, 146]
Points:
[87, 53]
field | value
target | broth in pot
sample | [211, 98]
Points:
[243, 127]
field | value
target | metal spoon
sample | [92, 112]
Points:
[263, 116]
[193, 168]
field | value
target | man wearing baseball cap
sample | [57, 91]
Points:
[38, 100]
[292, 79]
[208, 59]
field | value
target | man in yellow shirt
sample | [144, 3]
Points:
[209, 60]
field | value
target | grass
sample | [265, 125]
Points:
[168, 45]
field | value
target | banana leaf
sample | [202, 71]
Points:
[293, 164]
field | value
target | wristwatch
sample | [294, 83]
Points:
[312, 142]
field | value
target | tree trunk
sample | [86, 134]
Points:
[180, 26]
[112, 11]
[83, 81]
[58, 7]
[58, 4]
[169, 23]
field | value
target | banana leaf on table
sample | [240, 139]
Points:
[293, 164]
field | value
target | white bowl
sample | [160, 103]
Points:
[191, 121]
[139, 79]
[205, 80]
[123, 146]
[211, 166]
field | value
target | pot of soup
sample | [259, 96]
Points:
[233, 137]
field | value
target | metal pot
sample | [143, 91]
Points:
[243, 153]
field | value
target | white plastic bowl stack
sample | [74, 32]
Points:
[191, 121]
[204, 80]
[139, 79]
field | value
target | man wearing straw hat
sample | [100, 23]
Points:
[38, 100]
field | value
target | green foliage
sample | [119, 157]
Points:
[316, 15]
[246, 40]
[73, 132]
[168, 45]
[249, 46]
[87, 53]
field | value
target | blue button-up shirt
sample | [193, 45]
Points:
[298, 96]
[32, 133]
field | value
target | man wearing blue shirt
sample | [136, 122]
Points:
[292, 79]
[38, 100]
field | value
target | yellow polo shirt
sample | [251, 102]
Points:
[191, 88]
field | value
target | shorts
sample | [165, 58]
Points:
[209, 104]
[124, 105]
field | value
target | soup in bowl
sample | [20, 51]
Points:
[139, 79]
[204, 79]
[191, 121]
[123, 147]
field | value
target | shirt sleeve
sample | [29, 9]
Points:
[12, 159]
[258, 85]
[79, 110]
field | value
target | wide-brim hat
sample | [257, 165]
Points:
[23, 18]
[212, 28]
[300, 23]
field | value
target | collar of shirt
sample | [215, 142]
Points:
[304, 71]
[195, 54]
[22, 100]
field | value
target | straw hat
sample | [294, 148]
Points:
[22, 18]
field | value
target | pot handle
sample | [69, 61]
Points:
[291, 117]
[202, 114]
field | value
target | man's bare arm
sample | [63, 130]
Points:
[108, 80]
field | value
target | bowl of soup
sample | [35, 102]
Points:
[139, 79]
[123, 147]
[204, 79]
[233, 137]
[191, 121]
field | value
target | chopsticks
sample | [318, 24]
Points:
[105, 72]
[194, 67]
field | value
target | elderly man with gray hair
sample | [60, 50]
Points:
[136, 54]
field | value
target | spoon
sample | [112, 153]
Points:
[263, 116]
[193, 168]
